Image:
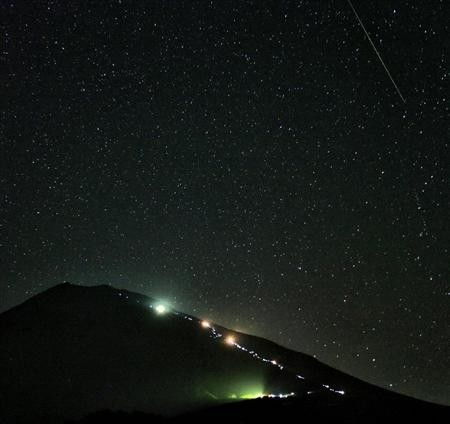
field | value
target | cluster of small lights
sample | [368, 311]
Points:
[281, 396]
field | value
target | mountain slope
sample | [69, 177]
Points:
[73, 350]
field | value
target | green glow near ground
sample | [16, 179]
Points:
[253, 391]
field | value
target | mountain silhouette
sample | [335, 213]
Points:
[72, 351]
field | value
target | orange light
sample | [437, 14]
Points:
[230, 340]
[205, 324]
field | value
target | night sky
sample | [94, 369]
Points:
[249, 162]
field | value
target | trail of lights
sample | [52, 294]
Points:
[280, 396]
[230, 340]
[339, 392]
[263, 396]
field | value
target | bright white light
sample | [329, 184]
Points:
[273, 362]
[205, 324]
[160, 309]
[281, 395]
[230, 340]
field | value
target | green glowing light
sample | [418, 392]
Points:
[251, 395]
[247, 391]
[161, 309]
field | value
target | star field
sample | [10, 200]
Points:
[248, 162]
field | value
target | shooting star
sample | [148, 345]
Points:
[376, 51]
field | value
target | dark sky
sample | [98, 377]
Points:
[250, 162]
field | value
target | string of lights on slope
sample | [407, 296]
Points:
[231, 340]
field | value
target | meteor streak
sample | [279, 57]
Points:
[376, 51]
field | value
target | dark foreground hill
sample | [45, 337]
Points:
[301, 410]
[72, 351]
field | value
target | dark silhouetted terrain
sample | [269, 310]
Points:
[73, 351]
